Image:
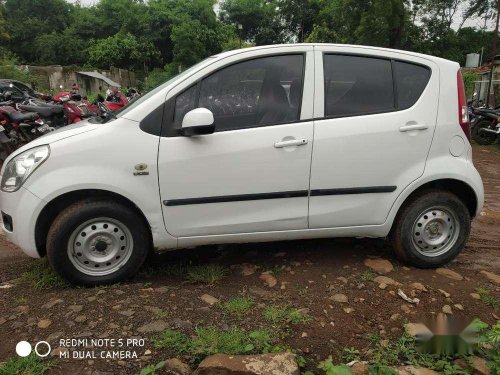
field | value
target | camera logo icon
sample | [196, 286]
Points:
[24, 349]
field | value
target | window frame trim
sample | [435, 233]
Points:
[394, 83]
[168, 130]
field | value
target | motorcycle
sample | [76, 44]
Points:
[489, 133]
[115, 100]
[484, 122]
[19, 128]
[484, 126]
[50, 112]
[75, 108]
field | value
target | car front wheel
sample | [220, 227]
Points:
[431, 230]
[96, 242]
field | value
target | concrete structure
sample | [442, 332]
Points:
[481, 85]
[54, 76]
[472, 60]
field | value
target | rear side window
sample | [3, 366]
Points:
[356, 85]
[411, 80]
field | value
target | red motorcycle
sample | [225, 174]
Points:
[115, 100]
[18, 128]
[76, 109]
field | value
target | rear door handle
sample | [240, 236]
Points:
[409, 128]
[292, 142]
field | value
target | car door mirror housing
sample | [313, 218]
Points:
[198, 121]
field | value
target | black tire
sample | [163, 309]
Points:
[402, 234]
[81, 212]
[483, 138]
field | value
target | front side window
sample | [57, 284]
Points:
[184, 102]
[253, 93]
[357, 85]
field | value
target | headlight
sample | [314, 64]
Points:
[22, 166]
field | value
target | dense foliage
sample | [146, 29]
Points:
[167, 35]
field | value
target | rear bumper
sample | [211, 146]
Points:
[20, 210]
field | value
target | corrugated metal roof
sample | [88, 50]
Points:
[101, 77]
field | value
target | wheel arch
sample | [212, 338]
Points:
[459, 188]
[59, 203]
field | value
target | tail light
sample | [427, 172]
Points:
[463, 113]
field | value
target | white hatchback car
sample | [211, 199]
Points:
[259, 144]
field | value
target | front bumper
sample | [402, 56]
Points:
[22, 208]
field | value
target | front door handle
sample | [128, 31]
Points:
[291, 142]
[409, 128]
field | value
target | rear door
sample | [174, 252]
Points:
[375, 119]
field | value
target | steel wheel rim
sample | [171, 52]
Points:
[435, 231]
[100, 246]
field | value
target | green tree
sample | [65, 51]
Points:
[261, 20]
[122, 51]
[60, 48]
[28, 18]
[299, 16]
[124, 16]
[196, 32]
[372, 22]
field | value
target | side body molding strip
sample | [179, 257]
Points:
[279, 195]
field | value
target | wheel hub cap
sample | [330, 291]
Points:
[435, 232]
[100, 246]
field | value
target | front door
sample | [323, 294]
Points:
[372, 134]
[252, 174]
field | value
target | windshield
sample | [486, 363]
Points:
[145, 97]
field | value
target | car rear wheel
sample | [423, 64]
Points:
[95, 242]
[431, 230]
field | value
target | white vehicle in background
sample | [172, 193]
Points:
[260, 144]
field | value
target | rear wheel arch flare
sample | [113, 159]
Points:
[457, 187]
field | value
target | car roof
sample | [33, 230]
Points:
[350, 46]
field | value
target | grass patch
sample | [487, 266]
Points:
[350, 354]
[209, 274]
[211, 340]
[238, 306]
[152, 369]
[276, 270]
[32, 365]
[490, 348]
[382, 357]
[284, 315]
[41, 276]
[487, 298]
[368, 275]
[160, 313]
[173, 269]
[21, 301]
[330, 368]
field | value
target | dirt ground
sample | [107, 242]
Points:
[308, 274]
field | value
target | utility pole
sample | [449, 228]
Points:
[494, 53]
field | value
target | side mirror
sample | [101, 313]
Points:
[198, 121]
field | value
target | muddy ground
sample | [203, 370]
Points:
[308, 274]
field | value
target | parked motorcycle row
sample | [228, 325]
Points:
[485, 123]
[26, 116]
